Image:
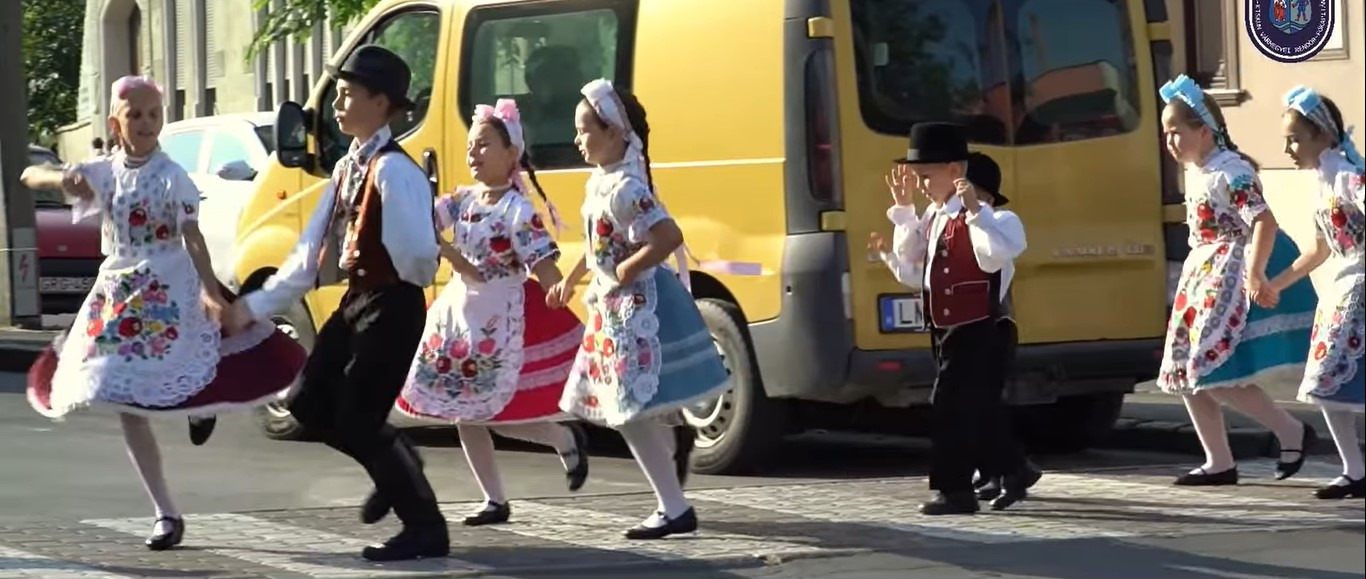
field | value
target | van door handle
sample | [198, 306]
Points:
[430, 166]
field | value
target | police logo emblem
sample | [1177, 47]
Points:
[1289, 30]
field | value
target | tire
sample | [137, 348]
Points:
[738, 431]
[1072, 424]
[274, 418]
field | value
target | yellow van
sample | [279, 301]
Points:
[773, 123]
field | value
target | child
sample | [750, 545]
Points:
[960, 255]
[493, 355]
[646, 353]
[373, 227]
[147, 339]
[1335, 377]
[1219, 346]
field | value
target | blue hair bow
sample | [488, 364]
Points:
[1309, 104]
[1185, 89]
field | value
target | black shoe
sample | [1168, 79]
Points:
[1285, 470]
[962, 503]
[164, 541]
[1355, 488]
[575, 477]
[411, 543]
[376, 507]
[1202, 478]
[201, 428]
[685, 438]
[491, 514]
[987, 488]
[685, 523]
[1016, 487]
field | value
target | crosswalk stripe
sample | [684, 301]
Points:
[16, 564]
[603, 531]
[290, 548]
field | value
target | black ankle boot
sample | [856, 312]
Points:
[426, 542]
[576, 476]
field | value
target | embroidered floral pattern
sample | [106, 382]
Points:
[136, 319]
[460, 365]
[1338, 341]
[503, 240]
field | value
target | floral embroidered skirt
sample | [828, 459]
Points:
[1335, 376]
[142, 344]
[492, 354]
[1218, 337]
[647, 353]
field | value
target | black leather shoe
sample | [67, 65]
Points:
[1355, 489]
[685, 438]
[1202, 478]
[1285, 470]
[411, 543]
[962, 503]
[201, 428]
[575, 477]
[685, 523]
[492, 514]
[1015, 488]
[164, 541]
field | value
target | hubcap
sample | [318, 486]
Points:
[711, 418]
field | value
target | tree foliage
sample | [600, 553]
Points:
[295, 19]
[52, 63]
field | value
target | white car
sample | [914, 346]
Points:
[223, 155]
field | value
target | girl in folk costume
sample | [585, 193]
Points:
[1335, 376]
[147, 340]
[647, 352]
[493, 355]
[1230, 330]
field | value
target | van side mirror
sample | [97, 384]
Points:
[291, 135]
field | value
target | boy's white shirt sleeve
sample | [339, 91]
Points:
[299, 272]
[906, 260]
[998, 237]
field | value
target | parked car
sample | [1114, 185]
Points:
[68, 253]
[223, 154]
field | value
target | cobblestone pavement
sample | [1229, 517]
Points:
[741, 527]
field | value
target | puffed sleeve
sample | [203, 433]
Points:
[906, 260]
[1348, 187]
[635, 207]
[99, 173]
[530, 238]
[1244, 191]
[185, 194]
[448, 209]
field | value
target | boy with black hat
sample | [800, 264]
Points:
[960, 254]
[374, 222]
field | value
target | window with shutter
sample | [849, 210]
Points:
[182, 45]
[213, 53]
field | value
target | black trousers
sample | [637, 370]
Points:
[351, 381]
[971, 424]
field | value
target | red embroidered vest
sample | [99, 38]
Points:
[959, 291]
[365, 259]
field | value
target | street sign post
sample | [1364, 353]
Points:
[18, 241]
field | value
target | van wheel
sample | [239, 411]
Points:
[275, 418]
[737, 431]
[1072, 424]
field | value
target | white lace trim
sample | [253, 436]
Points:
[1319, 380]
[619, 397]
[553, 347]
[248, 339]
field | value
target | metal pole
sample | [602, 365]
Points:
[18, 242]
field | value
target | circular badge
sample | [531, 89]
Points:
[1289, 30]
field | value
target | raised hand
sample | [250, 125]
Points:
[897, 185]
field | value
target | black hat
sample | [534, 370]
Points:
[936, 143]
[985, 174]
[379, 70]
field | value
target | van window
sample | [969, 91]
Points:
[413, 35]
[1078, 68]
[942, 60]
[542, 54]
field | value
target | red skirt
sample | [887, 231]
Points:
[550, 341]
[248, 375]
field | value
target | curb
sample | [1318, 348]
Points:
[1180, 437]
[19, 348]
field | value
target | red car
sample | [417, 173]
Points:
[68, 253]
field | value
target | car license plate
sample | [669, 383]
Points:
[65, 285]
[901, 313]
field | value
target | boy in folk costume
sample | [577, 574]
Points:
[375, 218]
[960, 254]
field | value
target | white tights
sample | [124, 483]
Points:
[652, 443]
[1342, 425]
[142, 448]
[477, 443]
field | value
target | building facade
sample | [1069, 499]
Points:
[197, 50]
